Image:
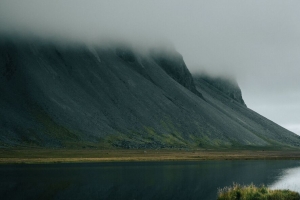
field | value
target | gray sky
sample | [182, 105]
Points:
[256, 41]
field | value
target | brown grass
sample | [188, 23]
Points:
[251, 192]
[95, 155]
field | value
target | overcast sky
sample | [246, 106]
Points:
[256, 41]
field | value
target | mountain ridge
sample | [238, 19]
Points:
[115, 97]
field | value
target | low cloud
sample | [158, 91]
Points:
[258, 42]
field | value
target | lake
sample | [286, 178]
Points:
[141, 180]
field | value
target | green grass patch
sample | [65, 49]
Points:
[251, 192]
[173, 138]
[51, 129]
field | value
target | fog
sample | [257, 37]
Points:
[258, 42]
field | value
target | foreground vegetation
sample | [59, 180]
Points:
[251, 192]
[41, 155]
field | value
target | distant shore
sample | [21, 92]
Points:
[15, 156]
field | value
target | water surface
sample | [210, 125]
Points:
[288, 179]
[138, 180]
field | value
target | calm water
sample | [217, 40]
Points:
[148, 180]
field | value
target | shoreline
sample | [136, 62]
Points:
[47, 156]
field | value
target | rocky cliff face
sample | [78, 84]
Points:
[113, 96]
[227, 86]
[172, 63]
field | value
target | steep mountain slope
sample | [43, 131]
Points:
[228, 100]
[113, 96]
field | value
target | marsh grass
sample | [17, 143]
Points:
[251, 192]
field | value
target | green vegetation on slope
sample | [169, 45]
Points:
[251, 192]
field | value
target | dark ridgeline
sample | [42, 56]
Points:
[113, 96]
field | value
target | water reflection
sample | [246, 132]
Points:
[289, 179]
[135, 180]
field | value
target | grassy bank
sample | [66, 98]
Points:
[251, 192]
[36, 155]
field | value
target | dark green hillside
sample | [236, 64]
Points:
[113, 96]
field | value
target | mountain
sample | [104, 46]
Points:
[112, 96]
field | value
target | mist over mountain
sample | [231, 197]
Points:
[252, 40]
[117, 96]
